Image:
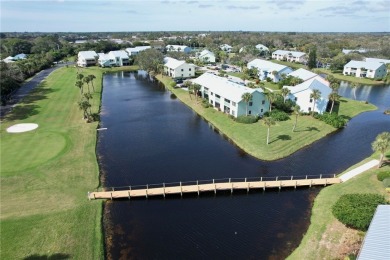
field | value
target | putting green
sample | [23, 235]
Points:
[29, 150]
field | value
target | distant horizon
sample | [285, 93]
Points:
[299, 16]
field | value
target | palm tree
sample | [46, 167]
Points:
[79, 84]
[91, 78]
[268, 121]
[334, 97]
[84, 105]
[381, 144]
[160, 69]
[285, 92]
[196, 88]
[79, 76]
[331, 79]
[297, 112]
[315, 95]
[188, 84]
[271, 98]
[87, 80]
[334, 86]
[246, 97]
[87, 97]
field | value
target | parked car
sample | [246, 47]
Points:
[178, 81]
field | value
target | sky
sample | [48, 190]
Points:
[195, 15]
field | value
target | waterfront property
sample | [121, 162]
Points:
[377, 60]
[178, 68]
[178, 48]
[114, 59]
[134, 51]
[365, 69]
[291, 56]
[301, 94]
[268, 69]
[226, 95]
[87, 58]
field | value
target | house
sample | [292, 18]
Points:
[301, 94]
[119, 58]
[9, 59]
[365, 69]
[206, 56]
[303, 74]
[20, 56]
[346, 51]
[178, 68]
[134, 51]
[377, 60]
[226, 47]
[87, 58]
[262, 48]
[104, 60]
[226, 95]
[267, 69]
[291, 56]
[178, 48]
[376, 243]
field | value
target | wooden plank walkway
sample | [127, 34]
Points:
[209, 187]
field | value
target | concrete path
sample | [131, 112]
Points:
[362, 168]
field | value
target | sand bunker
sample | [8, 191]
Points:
[20, 128]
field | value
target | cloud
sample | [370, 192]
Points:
[287, 4]
[205, 6]
[131, 12]
[232, 7]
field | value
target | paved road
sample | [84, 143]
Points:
[26, 88]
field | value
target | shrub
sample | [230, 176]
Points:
[383, 175]
[357, 210]
[172, 84]
[386, 182]
[286, 106]
[250, 119]
[205, 103]
[332, 119]
[277, 115]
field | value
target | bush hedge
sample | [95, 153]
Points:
[277, 115]
[383, 175]
[386, 182]
[332, 119]
[357, 210]
[250, 119]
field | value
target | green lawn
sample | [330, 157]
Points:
[252, 137]
[46, 173]
[293, 65]
[326, 237]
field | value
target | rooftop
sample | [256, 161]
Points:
[369, 65]
[303, 74]
[266, 65]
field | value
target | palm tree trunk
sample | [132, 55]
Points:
[314, 104]
[268, 136]
[381, 160]
[331, 109]
[295, 124]
[246, 113]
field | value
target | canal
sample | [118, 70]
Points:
[152, 137]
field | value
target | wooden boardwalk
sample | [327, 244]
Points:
[164, 189]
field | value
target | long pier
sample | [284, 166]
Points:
[214, 185]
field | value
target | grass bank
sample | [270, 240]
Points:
[362, 81]
[252, 137]
[46, 173]
[327, 238]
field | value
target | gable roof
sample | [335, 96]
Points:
[314, 83]
[20, 56]
[265, 65]
[121, 54]
[173, 63]
[177, 47]
[224, 87]
[261, 47]
[137, 49]
[293, 53]
[377, 60]
[376, 243]
[88, 54]
[303, 74]
[363, 64]
[206, 52]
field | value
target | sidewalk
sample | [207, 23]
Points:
[362, 168]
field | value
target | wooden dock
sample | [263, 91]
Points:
[208, 186]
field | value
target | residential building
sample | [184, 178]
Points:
[87, 58]
[226, 47]
[365, 69]
[134, 51]
[121, 58]
[291, 56]
[104, 60]
[377, 60]
[346, 51]
[178, 68]
[206, 56]
[226, 95]
[262, 48]
[9, 59]
[303, 74]
[301, 94]
[178, 48]
[268, 69]
[20, 56]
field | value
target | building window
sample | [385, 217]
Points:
[295, 98]
[250, 103]
[182, 75]
[227, 100]
[249, 112]
[234, 104]
[309, 109]
[182, 70]
[189, 69]
[311, 100]
[263, 102]
[211, 93]
[261, 110]
[232, 112]
[217, 96]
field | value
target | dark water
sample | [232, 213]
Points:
[153, 138]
